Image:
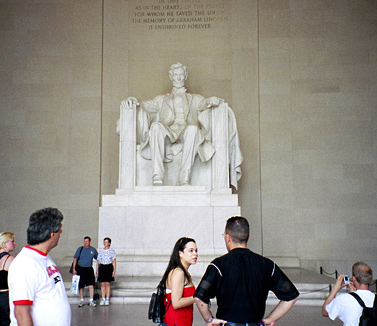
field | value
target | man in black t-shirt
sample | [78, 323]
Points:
[240, 281]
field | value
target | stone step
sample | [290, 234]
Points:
[127, 290]
[146, 264]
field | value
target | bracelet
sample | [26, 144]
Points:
[209, 320]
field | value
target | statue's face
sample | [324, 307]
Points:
[178, 77]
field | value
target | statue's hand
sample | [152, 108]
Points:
[131, 102]
[214, 101]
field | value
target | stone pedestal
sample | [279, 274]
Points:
[144, 224]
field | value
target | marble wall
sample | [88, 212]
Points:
[317, 64]
[300, 76]
[50, 103]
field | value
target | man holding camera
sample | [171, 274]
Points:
[345, 306]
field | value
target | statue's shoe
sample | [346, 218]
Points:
[157, 181]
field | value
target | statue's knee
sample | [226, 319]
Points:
[192, 129]
[156, 127]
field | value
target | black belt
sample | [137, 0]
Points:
[242, 324]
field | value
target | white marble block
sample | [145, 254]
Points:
[144, 225]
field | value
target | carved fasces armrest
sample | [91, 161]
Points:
[134, 118]
[228, 157]
[127, 122]
[126, 127]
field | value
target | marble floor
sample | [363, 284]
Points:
[136, 315]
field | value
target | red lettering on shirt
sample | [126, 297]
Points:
[51, 270]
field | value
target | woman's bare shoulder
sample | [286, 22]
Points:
[8, 262]
[175, 275]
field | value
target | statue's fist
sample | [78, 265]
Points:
[130, 102]
[214, 101]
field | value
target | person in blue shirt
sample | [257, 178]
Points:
[82, 265]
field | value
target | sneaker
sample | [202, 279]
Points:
[92, 303]
[107, 302]
[102, 303]
[81, 303]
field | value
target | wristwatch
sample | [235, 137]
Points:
[209, 320]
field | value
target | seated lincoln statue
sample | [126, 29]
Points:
[173, 123]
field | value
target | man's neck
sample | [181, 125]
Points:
[42, 247]
[362, 287]
[237, 246]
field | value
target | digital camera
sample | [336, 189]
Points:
[346, 279]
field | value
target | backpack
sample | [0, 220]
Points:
[156, 310]
[369, 315]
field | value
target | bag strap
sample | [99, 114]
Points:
[359, 300]
[5, 260]
[3, 254]
[163, 288]
[82, 247]
[168, 307]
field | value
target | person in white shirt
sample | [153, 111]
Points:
[37, 294]
[345, 306]
[106, 266]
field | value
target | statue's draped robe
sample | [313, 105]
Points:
[197, 113]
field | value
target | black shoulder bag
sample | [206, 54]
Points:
[71, 269]
[156, 310]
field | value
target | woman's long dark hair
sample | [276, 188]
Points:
[175, 260]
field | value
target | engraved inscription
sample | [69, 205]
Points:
[179, 14]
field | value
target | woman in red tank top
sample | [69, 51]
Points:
[179, 298]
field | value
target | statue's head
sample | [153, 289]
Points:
[178, 74]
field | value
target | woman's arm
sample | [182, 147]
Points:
[115, 266]
[177, 286]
